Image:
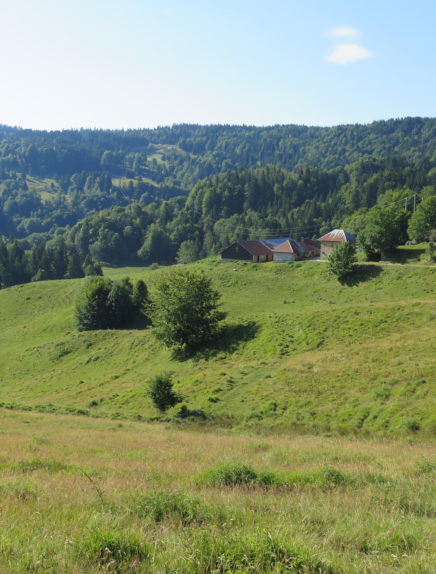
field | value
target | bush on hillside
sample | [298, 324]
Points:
[342, 261]
[162, 393]
[160, 504]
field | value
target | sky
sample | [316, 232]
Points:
[146, 63]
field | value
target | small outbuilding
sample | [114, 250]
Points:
[289, 250]
[331, 239]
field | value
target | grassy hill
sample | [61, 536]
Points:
[302, 352]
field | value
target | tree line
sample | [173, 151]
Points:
[378, 195]
[53, 260]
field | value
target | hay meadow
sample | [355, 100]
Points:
[94, 495]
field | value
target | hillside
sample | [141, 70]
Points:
[54, 179]
[301, 352]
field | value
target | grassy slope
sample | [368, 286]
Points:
[321, 356]
[70, 488]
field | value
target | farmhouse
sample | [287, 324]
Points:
[331, 239]
[276, 249]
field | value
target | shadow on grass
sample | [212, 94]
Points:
[362, 274]
[228, 339]
[405, 255]
[139, 323]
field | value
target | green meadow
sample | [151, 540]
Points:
[307, 448]
[86, 495]
[300, 352]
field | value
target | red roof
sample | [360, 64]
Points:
[338, 235]
[288, 246]
[255, 247]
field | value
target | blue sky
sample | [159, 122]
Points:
[143, 63]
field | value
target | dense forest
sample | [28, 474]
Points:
[182, 192]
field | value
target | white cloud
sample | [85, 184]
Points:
[344, 32]
[347, 53]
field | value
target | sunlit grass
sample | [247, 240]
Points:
[302, 353]
[89, 495]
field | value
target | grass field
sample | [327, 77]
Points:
[96, 495]
[301, 352]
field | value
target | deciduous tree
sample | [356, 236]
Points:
[186, 309]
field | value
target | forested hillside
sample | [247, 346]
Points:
[186, 191]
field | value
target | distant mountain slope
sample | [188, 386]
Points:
[186, 153]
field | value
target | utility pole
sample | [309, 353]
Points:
[414, 203]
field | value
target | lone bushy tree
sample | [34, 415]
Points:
[185, 310]
[342, 260]
[162, 393]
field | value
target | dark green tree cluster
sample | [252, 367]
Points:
[384, 229]
[184, 311]
[53, 260]
[106, 304]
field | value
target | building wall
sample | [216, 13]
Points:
[327, 247]
[235, 251]
[284, 257]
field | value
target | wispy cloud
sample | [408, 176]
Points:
[344, 32]
[348, 53]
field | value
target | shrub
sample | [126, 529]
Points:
[116, 551]
[239, 474]
[255, 552]
[231, 474]
[162, 393]
[325, 478]
[160, 505]
[342, 261]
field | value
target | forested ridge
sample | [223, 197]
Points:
[186, 191]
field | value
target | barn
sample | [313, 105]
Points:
[254, 251]
[331, 239]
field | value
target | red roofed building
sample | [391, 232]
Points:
[289, 250]
[255, 251]
[331, 239]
